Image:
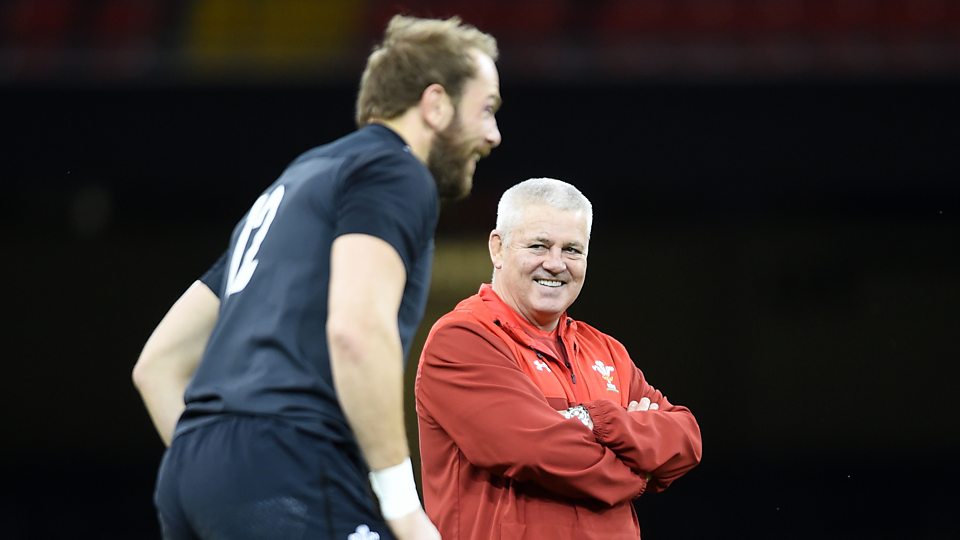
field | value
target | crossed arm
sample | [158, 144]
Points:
[650, 435]
[500, 421]
[473, 389]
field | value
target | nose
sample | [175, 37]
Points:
[493, 136]
[553, 262]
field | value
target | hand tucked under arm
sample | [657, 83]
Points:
[580, 414]
[516, 434]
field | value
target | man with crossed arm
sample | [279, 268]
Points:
[534, 425]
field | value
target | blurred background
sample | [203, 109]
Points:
[776, 238]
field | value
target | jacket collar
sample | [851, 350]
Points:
[514, 324]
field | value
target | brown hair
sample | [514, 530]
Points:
[414, 54]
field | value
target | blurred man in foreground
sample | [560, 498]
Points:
[304, 323]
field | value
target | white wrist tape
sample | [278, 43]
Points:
[396, 490]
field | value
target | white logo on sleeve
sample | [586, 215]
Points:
[541, 366]
[606, 372]
[363, 532]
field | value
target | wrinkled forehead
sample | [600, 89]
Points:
[559, 225]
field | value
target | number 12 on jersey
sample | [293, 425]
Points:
[244, 260]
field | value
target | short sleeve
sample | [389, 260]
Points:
[213, 277]
[392, 198]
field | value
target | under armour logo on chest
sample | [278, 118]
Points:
[541, 366]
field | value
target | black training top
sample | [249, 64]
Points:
[268, 352]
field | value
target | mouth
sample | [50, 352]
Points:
[552, 283]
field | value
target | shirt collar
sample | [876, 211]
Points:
[510, 319]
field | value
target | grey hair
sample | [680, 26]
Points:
[544, 191]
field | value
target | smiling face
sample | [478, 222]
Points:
[471, 135]
[540, 266]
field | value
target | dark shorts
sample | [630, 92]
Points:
[260, 478]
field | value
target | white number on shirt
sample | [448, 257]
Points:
[244, 260]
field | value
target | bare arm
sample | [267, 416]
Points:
[172, 354]
[367, 278]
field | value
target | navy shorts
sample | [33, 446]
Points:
[260, 478]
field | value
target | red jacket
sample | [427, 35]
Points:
[498, 461]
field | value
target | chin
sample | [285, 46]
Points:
[463, 189]
[551, 310]
[467, 186]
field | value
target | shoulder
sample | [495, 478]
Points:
[372, 153]
[396, 179]
[380, 153]
[464, 315]
[587, 333]
[585, 330]
[391, 166]
[467, 325]
[461, 342]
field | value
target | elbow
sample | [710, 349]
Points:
[143, 372]
[346, 341]
[696, 445]
[691, 449]
[690, 453]
[352, 341]
[156, 368]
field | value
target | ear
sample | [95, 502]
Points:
[495, 245]
[436, 107]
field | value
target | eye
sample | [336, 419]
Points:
[573, 253]
[537, 247]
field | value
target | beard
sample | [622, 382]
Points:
[448, 159]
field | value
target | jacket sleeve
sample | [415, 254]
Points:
[470, 384]
[665, 442]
